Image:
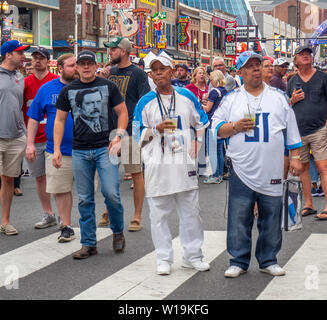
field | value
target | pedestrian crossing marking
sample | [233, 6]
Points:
[139, 281]
[306, 274]
[41, 253]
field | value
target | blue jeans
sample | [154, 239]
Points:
[240, 222]
[85, 162]
[216, 153]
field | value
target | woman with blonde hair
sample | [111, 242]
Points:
[198, 84]
[215, 146]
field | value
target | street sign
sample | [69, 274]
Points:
[231, 38]
[324, 41]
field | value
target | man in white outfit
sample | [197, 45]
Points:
[162, 124]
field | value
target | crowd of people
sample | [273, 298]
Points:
[252, 124]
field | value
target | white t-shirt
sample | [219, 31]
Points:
[257, 156]
[168, 166]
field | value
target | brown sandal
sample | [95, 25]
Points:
[135, 225]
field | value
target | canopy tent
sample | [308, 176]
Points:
[149, 57]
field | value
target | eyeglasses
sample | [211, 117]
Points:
[252, 66]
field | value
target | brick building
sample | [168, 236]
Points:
[312, 13]
[90, 28]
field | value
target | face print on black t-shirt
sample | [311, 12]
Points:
[90, 109]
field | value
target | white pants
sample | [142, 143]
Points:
[190, 225]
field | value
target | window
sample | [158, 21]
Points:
[292, 15]
[204, 41]
[168, 3]
[173, 4]
[163, 2]
[94, 17]
[87, 17]
[24, 19]
[168, 29]
[174, 36]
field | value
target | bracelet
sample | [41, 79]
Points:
[155, 131]
[296, 157]
[235, 130]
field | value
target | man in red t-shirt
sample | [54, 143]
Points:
[41, 75]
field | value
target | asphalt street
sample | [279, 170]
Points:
[66, 278]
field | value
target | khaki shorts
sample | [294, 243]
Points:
[37, 167]
[317, 143]
[59, 180]
[131, 155]
[12, 152]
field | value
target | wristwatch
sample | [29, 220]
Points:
[296, 157]
[120, 135]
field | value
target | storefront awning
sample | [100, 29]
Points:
[177, 55]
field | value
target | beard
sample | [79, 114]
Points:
[115, 61]
[69, 78]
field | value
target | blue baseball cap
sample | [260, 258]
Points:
[245, 57]
[12, 45]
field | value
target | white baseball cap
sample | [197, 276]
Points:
[163, 60]
[280, 61]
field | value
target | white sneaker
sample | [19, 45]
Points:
[163, 268]
[234, 272]
[274, 270]
[197, 265]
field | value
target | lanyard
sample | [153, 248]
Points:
[172, 107]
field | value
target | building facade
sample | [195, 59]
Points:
[284, 34]
[312, 13]
[30, 22]
[89, 25]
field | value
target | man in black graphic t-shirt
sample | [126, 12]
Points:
[92, 101]
[133, 85]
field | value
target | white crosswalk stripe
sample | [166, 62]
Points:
[305, 279]
[306, 274]
[138, 281]
[40, 254]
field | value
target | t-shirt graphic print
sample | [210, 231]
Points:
[90, 109]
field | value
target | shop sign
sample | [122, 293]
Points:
[150, 2]
[242, 33]
[143, 25]
[158, 26]
[205, 60]
[183, 25]
[88, 43]
[163, 43]
[22, 36]
[277, 47]
[117, 4]
[231, 38]
[45, 3]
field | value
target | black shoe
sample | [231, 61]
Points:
[67, 234]
[118, 242]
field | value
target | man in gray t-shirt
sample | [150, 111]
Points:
[308, 93]
[12, 127]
